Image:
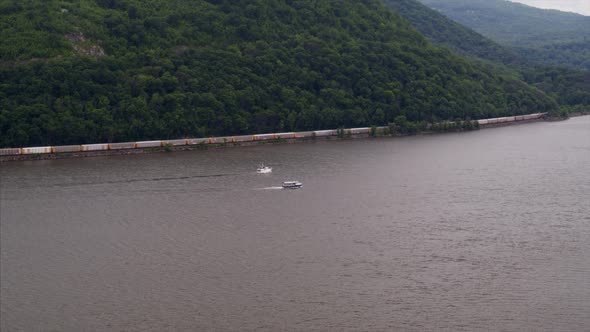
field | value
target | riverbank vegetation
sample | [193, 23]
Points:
[110, 71]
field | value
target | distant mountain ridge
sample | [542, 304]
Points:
[447, 33]
[544, 36]
[570, 87]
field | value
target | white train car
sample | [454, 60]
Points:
[36, 150]
[148, 144]
[67, 148]
[286, 135]
[10, 152]
[122, 146]
[358, 131]
[325, 133]
[265, 137]
[217, 140]
[195, 141]
[243, 138]
[303, 134]
[225, 139]
[176, 142]
[534, 116]
[95, 147]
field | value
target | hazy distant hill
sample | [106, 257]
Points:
[545, 36]
[447, 33]
[514, 23]
[109, 70]
[568, 86]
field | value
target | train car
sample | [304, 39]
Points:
[286, 135]
[357, 131]
[225, 139]
[324, 133]
[121, 146]
[67, 148]
[195, 141]
[243, 138]
[303, 134]
[265, 137]
[220, 140]
[95, 147]
[176, 142]
[36, 150]
[9, 152]
[533, 116]
[519, 118]
[148, 144]
[483, 122]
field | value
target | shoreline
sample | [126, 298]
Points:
[167, 146]
[170, 149]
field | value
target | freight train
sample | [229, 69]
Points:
[227, 139]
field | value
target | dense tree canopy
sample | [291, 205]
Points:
[116, 70]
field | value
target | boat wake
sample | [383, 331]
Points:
[88, 183]
[271, 188]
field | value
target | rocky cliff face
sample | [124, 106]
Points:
[84, 46]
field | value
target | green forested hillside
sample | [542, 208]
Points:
[569, 87]
[545, 36]
[115, 70]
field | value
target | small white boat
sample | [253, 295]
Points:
[263, 169]
[292, 184]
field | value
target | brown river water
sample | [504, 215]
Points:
[478, 231]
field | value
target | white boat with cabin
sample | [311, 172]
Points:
[292, 184]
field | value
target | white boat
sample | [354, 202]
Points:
[263, 169]
[292, 184]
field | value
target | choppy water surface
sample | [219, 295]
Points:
[487, 230]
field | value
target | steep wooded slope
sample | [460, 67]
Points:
[447, 33]
[106, 70]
